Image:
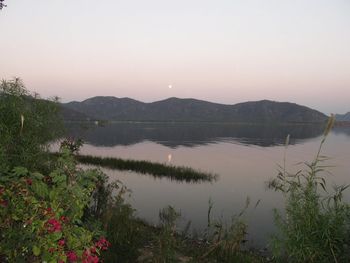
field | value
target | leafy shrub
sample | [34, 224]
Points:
[72, 145]
[27, 124]
[42, 199]
[41, 215]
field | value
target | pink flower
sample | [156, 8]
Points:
[89, 258]
[61, 242]
[93, 250]
[71, 256]
[53, 225]
[102, 243]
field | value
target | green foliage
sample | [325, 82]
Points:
[72, 145]
[27, 124]
[109, 210]
[41, 215]
[42, 199]
[166, 242]
[126, 233]
[315, 226]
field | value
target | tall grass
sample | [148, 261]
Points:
[226, 242]
[166, 242]
[157, 170]
[315, 224]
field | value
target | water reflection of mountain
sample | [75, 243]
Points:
[192, 134]
[342, 130]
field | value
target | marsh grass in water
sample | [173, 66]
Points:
[157, 170]
[227, 242]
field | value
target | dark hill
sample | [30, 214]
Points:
[73, 115]
[175, 109]
[343, 117]
[108, 108]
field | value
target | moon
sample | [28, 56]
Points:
[170, 86]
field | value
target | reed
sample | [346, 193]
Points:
[315, 223]
[157, 170]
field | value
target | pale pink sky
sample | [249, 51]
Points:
[225, 51]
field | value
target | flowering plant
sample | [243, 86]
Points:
[41, 216]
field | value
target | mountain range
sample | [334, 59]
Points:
[175, 109]
[343, 117]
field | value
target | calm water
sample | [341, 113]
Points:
[244, 156]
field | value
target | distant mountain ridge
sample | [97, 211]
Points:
[343, 117]
[73, 115]
[175, 109]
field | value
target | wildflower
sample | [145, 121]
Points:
[71, 256]
[93, 250]
[89, 258]
[53, 225]
[61, 242]
[102, 243]
[51, 249]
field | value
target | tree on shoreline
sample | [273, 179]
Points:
[27, 125]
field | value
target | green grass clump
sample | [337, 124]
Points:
[315, 224]
[157, 170]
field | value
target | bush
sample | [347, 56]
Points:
[41, 215]
[27, 125]
[43, 197]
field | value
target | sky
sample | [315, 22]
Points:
[225, 51]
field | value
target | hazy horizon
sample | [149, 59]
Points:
[220, 51]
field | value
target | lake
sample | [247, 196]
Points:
[245, 156]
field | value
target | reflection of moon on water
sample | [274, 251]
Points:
[169, 158]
